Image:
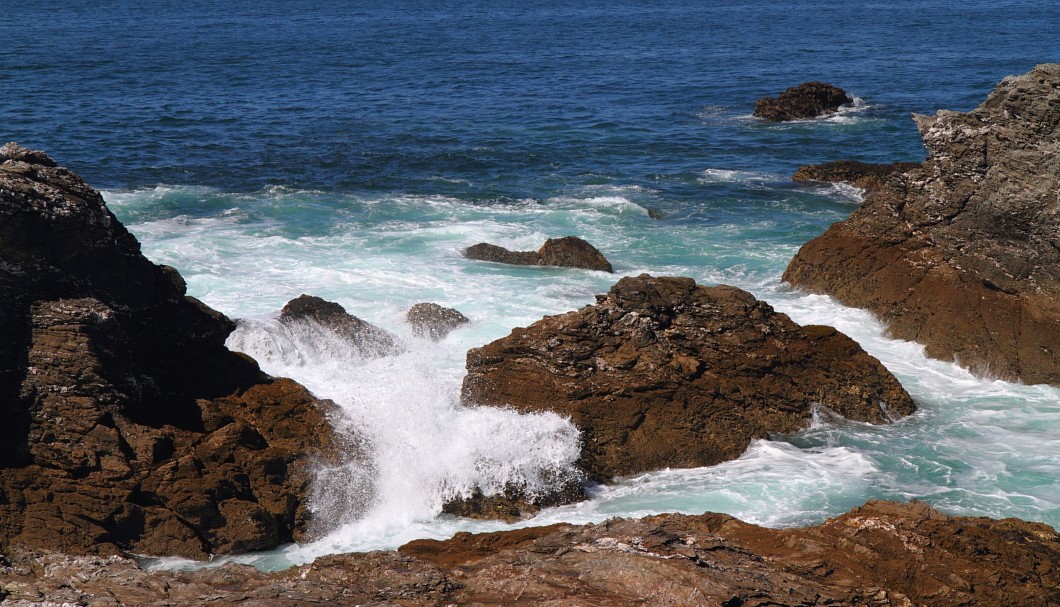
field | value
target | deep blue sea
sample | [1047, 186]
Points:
[268, 149]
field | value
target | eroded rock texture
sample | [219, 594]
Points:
[567, 252]
[664, 373]
[126, 423]
[882, 554]
[807, 100]
[434, 321]
[962, 254]
[864, 175]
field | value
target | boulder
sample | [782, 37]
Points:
[864, 175]
[807, 100]
[663, 373]
[882, 553]
[962, 254]
[567, 252]
[434, 321]
[367, 339]
[127, 423]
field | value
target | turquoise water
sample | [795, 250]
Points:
[271, 149]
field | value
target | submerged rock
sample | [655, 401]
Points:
[568, 252]
[434, 321]
[807, 100]
[663, 373]
[127, 423]
[962, 254]
[367, 339]
[882, 553]
[864, 175]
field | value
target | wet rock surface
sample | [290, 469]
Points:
[664, 373]
[962, 254]
[885, 554]
[310, 311]
[567, 252]
[127, 423]
[807, 100]
[864, 175]
[434, 321]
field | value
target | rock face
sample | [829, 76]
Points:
[664, 373]
[807, 100]
[885, 554]
[962, 254]
[567, 252]
[434, 321]
[367, 339]
[126, 422]
[861, 174]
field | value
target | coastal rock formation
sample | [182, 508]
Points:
[883, 553]
[962, 254]
[367, 339]
[434, 321]
[567, 252]
[807, 100]
[864, 175]
[664, 373]
[127, 423]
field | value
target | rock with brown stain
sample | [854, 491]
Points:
[317, 314]
[567, 252]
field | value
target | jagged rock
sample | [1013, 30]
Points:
[860, 174]
[434, 321]
[127, 423]
[516, 503]
[807, 100]
[882, 553]
[568, 252]
[963, 253]
[662, 373]
[368, 339]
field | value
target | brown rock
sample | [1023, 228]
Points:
[127, 423]
[369, 340]
[883, 553]
[963, 253]
[807, 100]
[568, 252]
[434, 321]
[664, 373]
[860, 174]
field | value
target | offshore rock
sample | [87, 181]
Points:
[367, 339]
[662, 373]
[807, 100]
[864, 175]
[433, 321]
[883, 553]
[127, 424]
[962, 254]
[567, 252]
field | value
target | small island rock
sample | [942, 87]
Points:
[805, 101]
[434, 321]
[567, 252]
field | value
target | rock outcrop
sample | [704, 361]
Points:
[962, 254]
[567, 252]
[664, 373]
[864, 175]
[365, 338]
[883, 553]
[807, 100]
[127, 424]
[434, 321]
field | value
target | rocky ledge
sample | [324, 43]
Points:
[883, 554]
[664, 373]
[962, 253]
[566, 252]
[864, 175]
[802, 102]
[127, 424]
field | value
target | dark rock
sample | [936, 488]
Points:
[963, 253]
[861, 174]
[516, 502]
[16, 153]
[662, 373]
[568, 252]
[127, 423]
[882, 553]
[364, 337]
[434, 321]
[807, 100]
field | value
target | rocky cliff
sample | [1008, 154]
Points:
[127, 424]
[962, 254]
[664, 373]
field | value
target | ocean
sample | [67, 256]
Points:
[268, 149]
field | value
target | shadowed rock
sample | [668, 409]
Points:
[962, 254]
[807, 100]
[860, 174]
[568, 252]
[662, 373]
[367, 339]
[434, 321]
